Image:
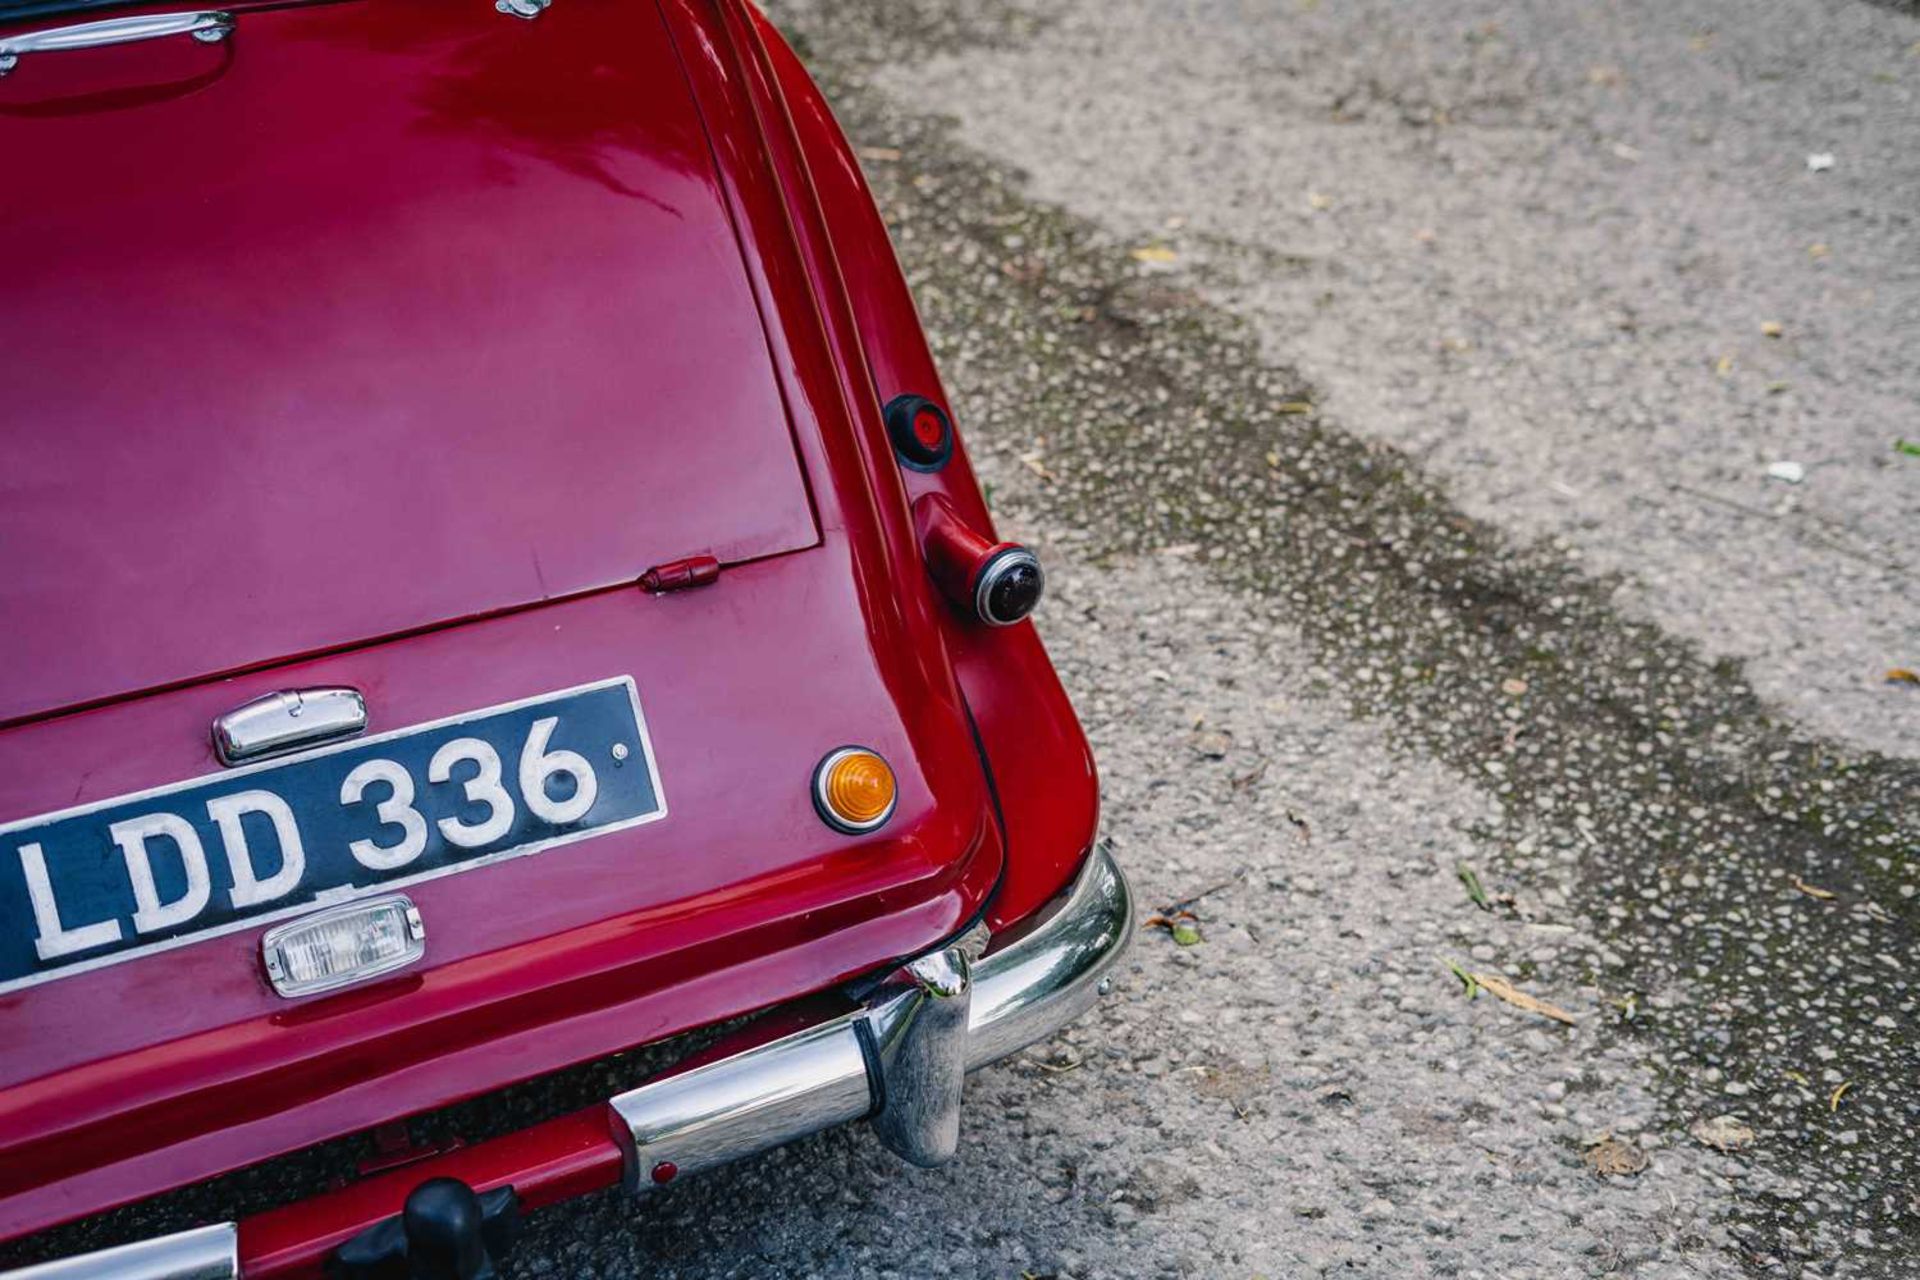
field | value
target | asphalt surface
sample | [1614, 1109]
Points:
[1393, 390]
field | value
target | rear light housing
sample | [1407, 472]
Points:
[998, 583]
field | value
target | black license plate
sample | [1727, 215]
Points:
[110, 881]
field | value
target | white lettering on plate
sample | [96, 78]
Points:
[248, 888]
[396, 810]
[132, 837]
[55, 938]
[482, 788]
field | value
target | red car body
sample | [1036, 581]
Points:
[387, 345]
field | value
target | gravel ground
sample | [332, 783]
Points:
[1534, 245]
[1448, 593]
[1304, 1092]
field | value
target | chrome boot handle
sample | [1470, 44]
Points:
[276, 723]
[208, 27]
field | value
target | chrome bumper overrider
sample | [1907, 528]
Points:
[897, 1059]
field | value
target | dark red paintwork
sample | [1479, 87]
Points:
[1046, 785]
[412, 315]
[315, 241]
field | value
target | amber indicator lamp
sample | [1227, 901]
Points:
[854, 790]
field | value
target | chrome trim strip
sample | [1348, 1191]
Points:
[939, 1017]
[208, 1253]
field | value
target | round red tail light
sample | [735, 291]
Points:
[921, 432]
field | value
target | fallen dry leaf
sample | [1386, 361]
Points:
[1155, 253]
[1817, 250]
[1811, 890]
[1833, 1103]
[1319, 201]
[1900, 675]
[1246, 780]
[1772, 328]
[1722, 1133]
[1293, 406]
[1032, 463]
[1514, 686]
[1612, 1158]
[1723, 366]
[1213, 744]
[1519, 999]
[1027, 270]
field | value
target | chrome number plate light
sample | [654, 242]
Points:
[344, 944]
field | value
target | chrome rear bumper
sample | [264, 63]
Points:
[207, 1253]
[897, 1058]
[897, 1061]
